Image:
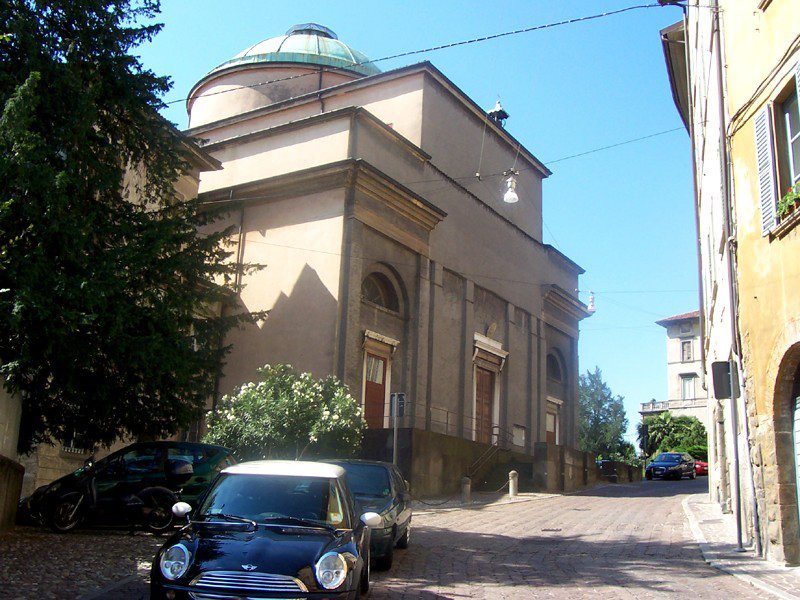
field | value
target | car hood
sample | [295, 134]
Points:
[663, 464]
[280, 550]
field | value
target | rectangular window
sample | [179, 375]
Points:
[374, 369]
[519, 435]
[686, 351]
[687, 387]
[777, 146]
[791, 139]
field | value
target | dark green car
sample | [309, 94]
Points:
[134, 486]
[379, 487]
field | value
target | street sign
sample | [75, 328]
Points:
[398, 399]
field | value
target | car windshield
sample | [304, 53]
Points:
[368, 480]
[669, 458]
[272, 498]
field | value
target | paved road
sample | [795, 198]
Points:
[616, 541]
[621, 541]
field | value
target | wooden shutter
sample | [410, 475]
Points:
[797, 81]
[765, 162]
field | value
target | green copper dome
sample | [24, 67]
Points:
[308, 43]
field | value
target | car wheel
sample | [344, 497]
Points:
[402, 543]
[157, 514]
[364, 587]
[648, 476]
[384, 563]
[65, 514]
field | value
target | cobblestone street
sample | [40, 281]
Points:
[614, 541]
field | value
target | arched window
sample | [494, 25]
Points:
[554, 369]
[377, 289]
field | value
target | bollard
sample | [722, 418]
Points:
[513, 483]
[466, 490]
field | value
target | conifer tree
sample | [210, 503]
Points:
[107, 290]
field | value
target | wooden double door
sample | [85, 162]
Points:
[484, 403]
[375, 391]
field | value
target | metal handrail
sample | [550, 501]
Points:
[444, 420]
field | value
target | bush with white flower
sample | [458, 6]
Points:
[288, 415]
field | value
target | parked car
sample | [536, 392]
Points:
[135, 486]
[700, 467]
[264, 529]
[379, 487]
[671, 465]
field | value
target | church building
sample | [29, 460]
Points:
[399, 226]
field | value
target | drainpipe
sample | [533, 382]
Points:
[735, 355]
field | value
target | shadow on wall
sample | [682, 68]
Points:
[299, 330]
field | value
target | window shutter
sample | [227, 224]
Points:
[766, 170]
[797, 80]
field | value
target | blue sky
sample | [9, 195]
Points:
[624, 214]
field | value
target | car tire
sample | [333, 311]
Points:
[63, 516]
[157, 514]
[402, 543]
[363, 587]
[648, 476]
[384, 563]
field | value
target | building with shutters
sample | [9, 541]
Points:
[734, 68]
[388, 263]
[686, 395]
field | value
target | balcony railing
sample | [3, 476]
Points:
[446, 421]
[673, 404]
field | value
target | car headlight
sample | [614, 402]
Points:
[174, 561]
[331, 570]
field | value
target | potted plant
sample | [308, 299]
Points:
[787, 204]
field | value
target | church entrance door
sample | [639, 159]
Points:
[484, 396]
[375, 391]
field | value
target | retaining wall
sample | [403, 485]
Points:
[10, 486]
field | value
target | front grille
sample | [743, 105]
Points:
[214, 585]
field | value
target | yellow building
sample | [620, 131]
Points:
[735, 72]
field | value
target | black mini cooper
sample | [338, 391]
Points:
[269, 529]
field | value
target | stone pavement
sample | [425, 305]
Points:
[613, 541]
[36, 563]
[715, 532]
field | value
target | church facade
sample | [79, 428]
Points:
[374, 203]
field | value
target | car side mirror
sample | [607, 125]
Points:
[181, 509]
[370, 519]
[88, 463]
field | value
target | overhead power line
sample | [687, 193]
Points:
[485, 38]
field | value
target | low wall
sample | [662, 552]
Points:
[10, 486]
[434, 463]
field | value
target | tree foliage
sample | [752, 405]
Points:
[104, 286]
[288, 415]
[667, 433]
[602, 421]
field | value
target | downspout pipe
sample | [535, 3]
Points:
[735, 354]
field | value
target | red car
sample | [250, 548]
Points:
[700, 467]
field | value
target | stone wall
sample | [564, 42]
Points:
[434, 464]
[10, 486]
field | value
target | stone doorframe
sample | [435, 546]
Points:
[487, 354]
[774, 457]
[384, 347]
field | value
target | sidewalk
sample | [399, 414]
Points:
[715, 532]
